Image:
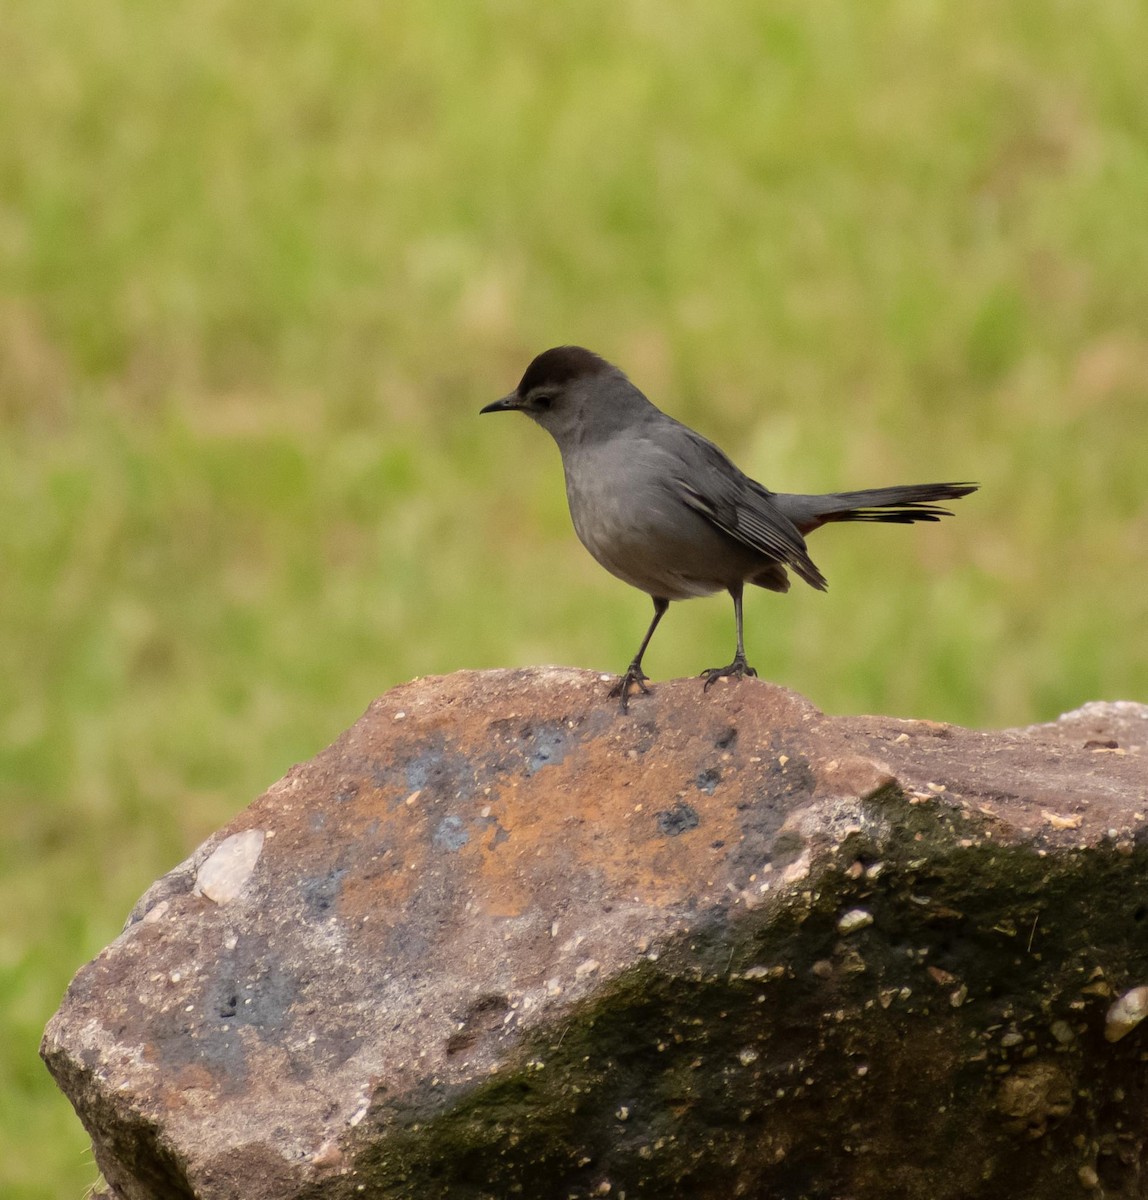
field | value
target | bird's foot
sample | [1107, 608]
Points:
[634, 676]
[738, 669]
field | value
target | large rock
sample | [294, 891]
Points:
[501, 939]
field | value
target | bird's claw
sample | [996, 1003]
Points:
[634, 676]
[738, 669]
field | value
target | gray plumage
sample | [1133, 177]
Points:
[667, 512]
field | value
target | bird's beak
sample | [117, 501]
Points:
[506, 404]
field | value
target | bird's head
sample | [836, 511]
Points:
[573, 394]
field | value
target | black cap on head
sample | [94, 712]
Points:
[560, 365]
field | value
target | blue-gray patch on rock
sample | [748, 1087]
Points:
[436, 770]
[451, 834]
[420, 770]
[320, 892]
[262, 1002]
[707, 780]
[219, 1048]
[432, 766]
[546, 747]
[679, 819]
[516, 747]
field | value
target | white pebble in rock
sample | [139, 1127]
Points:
[1088, 1178]
[1126, 1014]
[1062, 1031]
[853, 920]
[225, 872]
[157, 913]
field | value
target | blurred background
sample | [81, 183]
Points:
[261, 265]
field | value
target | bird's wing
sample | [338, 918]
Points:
[713, 486]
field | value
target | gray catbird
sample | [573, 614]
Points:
[667, 512]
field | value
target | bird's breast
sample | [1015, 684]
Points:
[628, 517]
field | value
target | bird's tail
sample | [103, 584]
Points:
[897, 505]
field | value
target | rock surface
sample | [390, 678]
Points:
[500, 939]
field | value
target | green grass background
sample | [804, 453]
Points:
[261, 265]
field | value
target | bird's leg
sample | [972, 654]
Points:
[634, 673]
[739, 668]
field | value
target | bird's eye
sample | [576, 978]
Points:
[543, 401]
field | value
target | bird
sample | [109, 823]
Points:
[665, 510]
